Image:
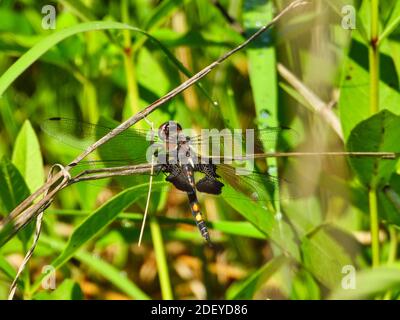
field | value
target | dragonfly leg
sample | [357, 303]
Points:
[157, 171]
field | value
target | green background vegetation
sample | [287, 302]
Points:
[336, 211]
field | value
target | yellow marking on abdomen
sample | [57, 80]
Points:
[195, 207]
[199, 217]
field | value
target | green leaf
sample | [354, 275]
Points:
[7, 268]
[247, 288]
[79, 9]
[394, 48]
[13, 188]
[370, 283]
[163, 12]
[381, 132]
[27, 157]
[304, 287]
[386, 11]
[112, 274]
[12, 21]
[354, 104]
[68, 290]
[293, 93]
[262, 62]
[389, 201]
[392, 23]
[101, 218]
[150, 74]
[100, 266]
[47, 43]
[363, 19]
[325, 256]
[238, 228]
[265, 221]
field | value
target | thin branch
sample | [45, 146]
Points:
[38, 229]
[104, 173]
[384, 155]
[315, 102]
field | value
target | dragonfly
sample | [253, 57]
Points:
[214, 154]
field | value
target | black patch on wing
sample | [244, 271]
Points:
[180, 182]
[209, 185]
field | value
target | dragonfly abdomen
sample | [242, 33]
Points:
[196, 212]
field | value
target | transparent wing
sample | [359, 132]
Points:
[248, 184]
[227, 144]
[128, 147]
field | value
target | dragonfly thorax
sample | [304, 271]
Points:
[176, 144]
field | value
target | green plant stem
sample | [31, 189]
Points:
[26, 276]
[392, 245]
[374, 58]
[374, 226]
[392, 254]
[374, 108]
[161, 258]
[128, 54]
[374, 80]
[374, 18]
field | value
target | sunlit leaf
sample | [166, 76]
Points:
[247, 288]
[103, 268]
[28, 158]
[101, 218]
[325, 256]
[381, 132]
[369, 283]
[13, 188]
[262, 62]
[354, 103]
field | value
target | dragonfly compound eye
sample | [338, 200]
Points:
[169, 129]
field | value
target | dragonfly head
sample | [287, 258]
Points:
[170, 130]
